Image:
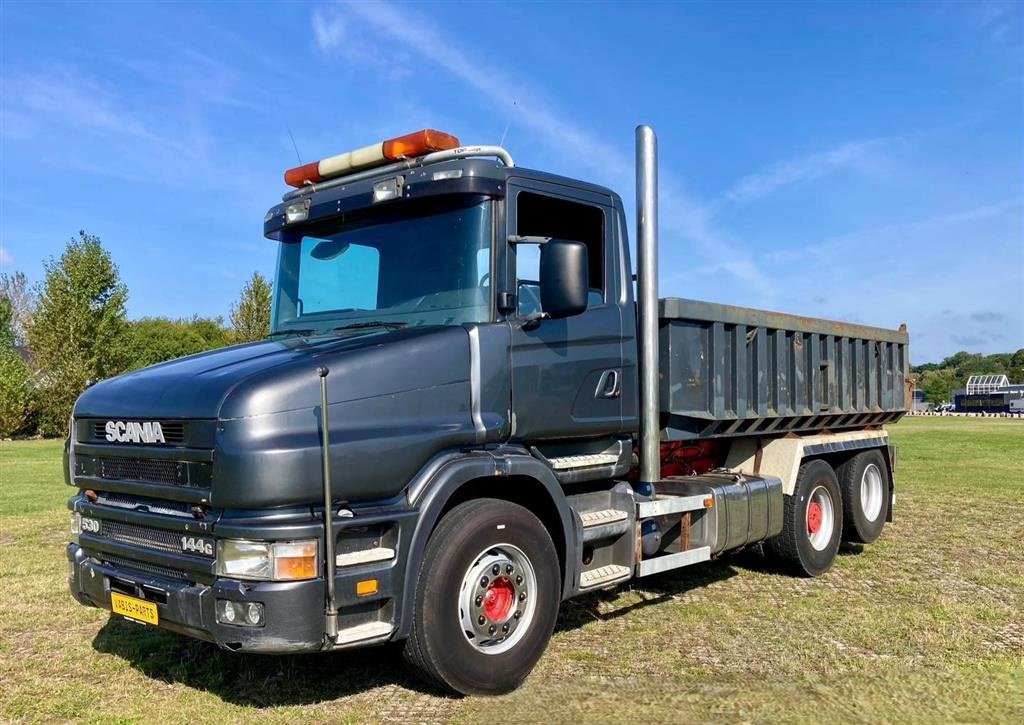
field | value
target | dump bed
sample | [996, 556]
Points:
[734, 371]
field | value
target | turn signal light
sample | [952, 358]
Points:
[295, 561]
[395, 149]
[366, 587]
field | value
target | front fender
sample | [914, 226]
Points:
[430, 492]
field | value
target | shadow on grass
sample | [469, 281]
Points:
[654, 590]
[250, 679]
[847, 549]
[274, 680]
[754, 558]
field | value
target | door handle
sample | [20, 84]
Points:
[608, 386]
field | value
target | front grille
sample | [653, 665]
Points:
[143, 469]
[141, 536]
[173, 430]
[142, 503]
[129, 565]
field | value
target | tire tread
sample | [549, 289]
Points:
[419, 649]
[785, 547]
[849, 475]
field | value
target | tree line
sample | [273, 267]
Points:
[72, 328]
[939, 380]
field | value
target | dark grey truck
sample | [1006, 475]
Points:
[463, 417]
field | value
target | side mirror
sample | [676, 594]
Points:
[564, 278]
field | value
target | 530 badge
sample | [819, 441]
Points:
[197, 545]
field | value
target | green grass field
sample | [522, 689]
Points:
[926, 625]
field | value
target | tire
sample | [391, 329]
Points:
[475, 632]
[812, 522]
[864, 482]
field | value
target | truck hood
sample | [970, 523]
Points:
[274, 376]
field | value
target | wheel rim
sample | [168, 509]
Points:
[821, 518]
[871, 493]
[497, 599]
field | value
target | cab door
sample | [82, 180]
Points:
[567, 374]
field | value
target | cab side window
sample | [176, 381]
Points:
[538, 215]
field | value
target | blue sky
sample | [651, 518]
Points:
[856, 161]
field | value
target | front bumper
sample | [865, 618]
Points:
[294, 619]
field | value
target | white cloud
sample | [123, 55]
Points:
[335, 35]
[83, 122]
[6, 260]
[853, 154]
[948, 276]
[889, 235]
[370, 24]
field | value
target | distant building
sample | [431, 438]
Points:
[1005, 397]
[984, 384]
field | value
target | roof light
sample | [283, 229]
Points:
[396, 149]
[388, 189]
[419, 143]
[305, 174]
[297, 212]
[449, 174]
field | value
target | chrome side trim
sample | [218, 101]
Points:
[673, 561]
[670, 505]
[474, 384]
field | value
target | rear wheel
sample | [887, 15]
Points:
[812, 521]
[864, 481]
[486, 599]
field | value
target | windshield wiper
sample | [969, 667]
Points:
[371, 323]
[296, 331]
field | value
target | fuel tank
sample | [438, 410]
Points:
[747, 509]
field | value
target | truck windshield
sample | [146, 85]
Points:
[417, 264]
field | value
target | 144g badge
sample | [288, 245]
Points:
[197, 545]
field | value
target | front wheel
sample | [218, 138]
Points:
[486, 599]
[812, 521]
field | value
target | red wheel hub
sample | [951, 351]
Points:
[813, 517]
[498, 599]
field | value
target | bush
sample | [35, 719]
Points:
[15, 388]
[153, 340]
[15, 395]
[77, 329]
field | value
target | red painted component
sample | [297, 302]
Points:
[686, 458]
[498, 600]
[813, 517]
[690, 458]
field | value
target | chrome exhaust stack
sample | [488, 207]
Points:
[647, 300]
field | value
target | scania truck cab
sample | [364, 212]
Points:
[468, 410]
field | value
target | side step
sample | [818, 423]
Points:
[604, 524]
[366, 556]
[563, 463]
[369, 630]
[600, 518]
[604, 575]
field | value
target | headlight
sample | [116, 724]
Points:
[76, 523]
[277, 561]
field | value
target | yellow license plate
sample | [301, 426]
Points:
[137, 609]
